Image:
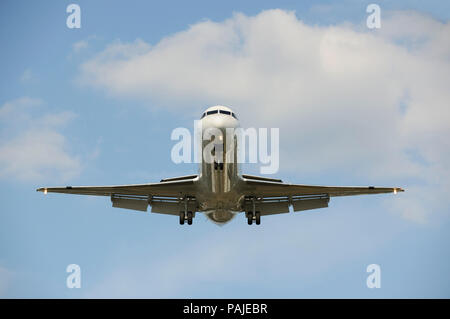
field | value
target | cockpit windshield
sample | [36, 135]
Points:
[219, 111]
[212, 112]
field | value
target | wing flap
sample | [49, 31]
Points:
[306, 204]
[130, 203]
[268, 207]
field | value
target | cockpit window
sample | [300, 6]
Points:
[219, 111]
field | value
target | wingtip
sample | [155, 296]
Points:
[42, 189]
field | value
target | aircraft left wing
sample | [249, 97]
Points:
[269, 188]
[270, 196]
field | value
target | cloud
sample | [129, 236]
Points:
[80, 45]
[22, 104]
[32, 146]
[365, 103]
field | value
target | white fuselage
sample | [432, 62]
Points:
[219, 176]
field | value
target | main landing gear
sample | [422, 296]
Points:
[254, 217]
[186, 217]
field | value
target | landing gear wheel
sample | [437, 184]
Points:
[182, 218]
[189, 218]
[250, 218]
[258, 218]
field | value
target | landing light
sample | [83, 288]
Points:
[395, 190]
[45, 191]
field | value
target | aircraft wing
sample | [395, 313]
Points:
[170, 188]
[268, 188]
[164, 197]
[274, 196]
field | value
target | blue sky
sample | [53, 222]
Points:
[97, 105]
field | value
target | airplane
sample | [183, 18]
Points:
[219, 190]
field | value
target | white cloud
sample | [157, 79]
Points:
[23, 104]
[80, 45]
[346, 99]
[32, 146]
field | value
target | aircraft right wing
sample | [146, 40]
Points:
[170, 188]
[164, 197]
